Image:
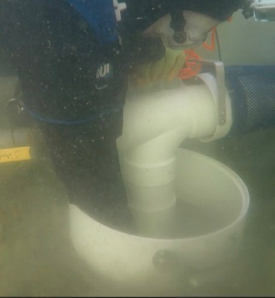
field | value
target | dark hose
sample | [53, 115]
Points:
[252, 91]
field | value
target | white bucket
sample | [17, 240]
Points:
[203, 184]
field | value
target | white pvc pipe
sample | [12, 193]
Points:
[154, 126]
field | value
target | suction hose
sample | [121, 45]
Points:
[154, 126]
[252, 92]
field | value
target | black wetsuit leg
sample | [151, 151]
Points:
[60, 65]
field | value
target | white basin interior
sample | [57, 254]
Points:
[213, 202]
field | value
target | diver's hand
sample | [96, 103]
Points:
[164, 69]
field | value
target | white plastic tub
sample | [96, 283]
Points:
[211, 238]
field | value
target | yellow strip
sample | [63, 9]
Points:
[15, 154]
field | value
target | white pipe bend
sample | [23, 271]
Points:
[154, 126]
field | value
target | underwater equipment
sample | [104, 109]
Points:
[111, 18]
[163, 183]
[262, 10]
[159, 177]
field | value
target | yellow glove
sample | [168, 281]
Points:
[166, 68]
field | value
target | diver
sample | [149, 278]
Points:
[73, 59]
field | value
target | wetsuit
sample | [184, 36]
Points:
[75, 88]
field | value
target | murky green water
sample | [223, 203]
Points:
[37, 258]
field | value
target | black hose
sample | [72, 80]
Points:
[252, 92]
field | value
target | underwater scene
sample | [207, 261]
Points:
[137, 148]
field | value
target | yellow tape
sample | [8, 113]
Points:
[15, 154]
